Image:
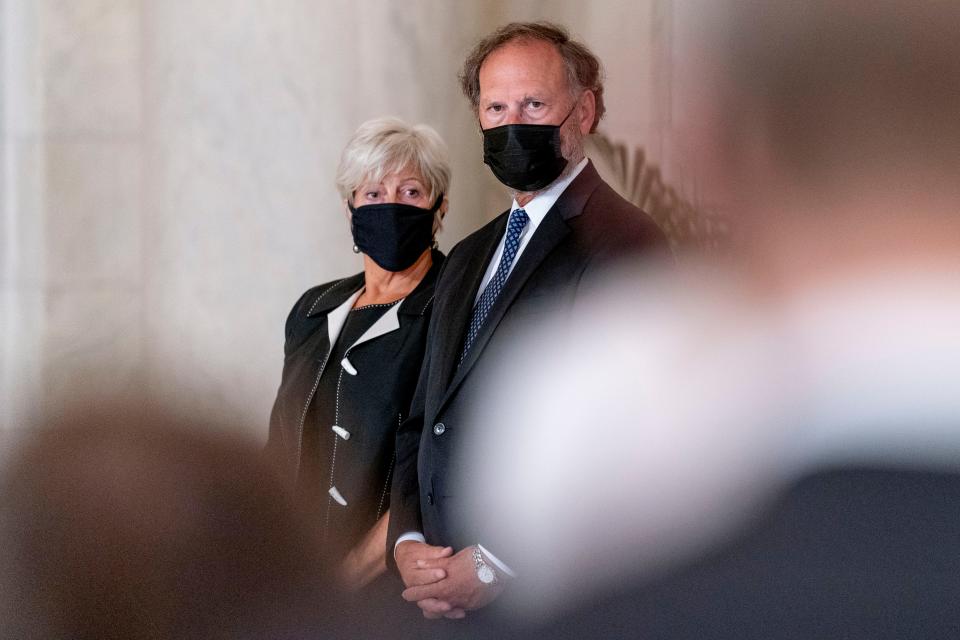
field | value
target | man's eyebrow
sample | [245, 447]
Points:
[524, 100]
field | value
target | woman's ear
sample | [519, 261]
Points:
[346, 211]
[438, 217]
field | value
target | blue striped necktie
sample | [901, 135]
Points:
[518, 220]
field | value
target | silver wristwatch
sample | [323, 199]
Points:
[485, 572]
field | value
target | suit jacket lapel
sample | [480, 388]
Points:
[386, 323]
[459, 307]
[547, 236]
[338, 317]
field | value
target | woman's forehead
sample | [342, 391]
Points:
[393, 174]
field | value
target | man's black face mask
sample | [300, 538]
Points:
[394, 235]
[525, 157]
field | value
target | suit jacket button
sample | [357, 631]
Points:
[439, 428]
[430, 498]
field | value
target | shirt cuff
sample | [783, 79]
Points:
[416, 536]
[495, 561]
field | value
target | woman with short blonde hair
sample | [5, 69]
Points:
[354, 346]
[385, 145]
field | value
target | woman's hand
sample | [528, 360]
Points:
[367, 560]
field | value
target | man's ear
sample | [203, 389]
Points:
[588, 111]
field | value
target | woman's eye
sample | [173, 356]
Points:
[413, 193]
[371, 195]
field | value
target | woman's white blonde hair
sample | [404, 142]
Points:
[386, 145]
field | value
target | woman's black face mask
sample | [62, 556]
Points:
[394, 235]
[525, 157]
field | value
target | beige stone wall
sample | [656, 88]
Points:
[167, 171]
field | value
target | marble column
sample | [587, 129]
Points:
[71, 185]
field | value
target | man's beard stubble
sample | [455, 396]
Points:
[571, 148]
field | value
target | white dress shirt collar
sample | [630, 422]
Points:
[542, 202]
[537, 210]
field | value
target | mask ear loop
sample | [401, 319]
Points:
[569, 113]
[436, 206]
[353, 212]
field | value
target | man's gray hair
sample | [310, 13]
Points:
[583, 68]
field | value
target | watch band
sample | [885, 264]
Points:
[485, 573]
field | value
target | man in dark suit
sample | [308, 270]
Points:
[537, 94]
[779, 455]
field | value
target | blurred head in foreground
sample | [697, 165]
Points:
[829, 127]
[119, 526]
[677, 412]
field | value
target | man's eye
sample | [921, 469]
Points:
[496, 108]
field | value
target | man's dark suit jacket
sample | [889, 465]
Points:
[588, 227]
